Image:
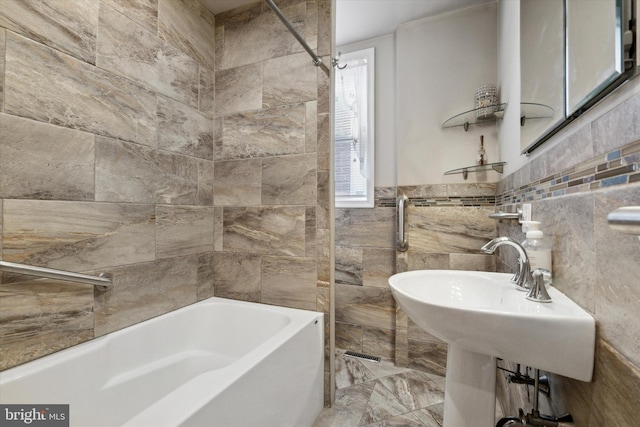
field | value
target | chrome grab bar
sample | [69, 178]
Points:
[507, 215]
[102, 282]
[402, 242]
[625, 220]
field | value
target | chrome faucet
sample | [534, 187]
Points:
[522, 278]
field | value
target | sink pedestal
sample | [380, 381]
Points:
[470, 389]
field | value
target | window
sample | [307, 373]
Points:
[353, 131]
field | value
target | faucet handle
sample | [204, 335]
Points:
[538, 291]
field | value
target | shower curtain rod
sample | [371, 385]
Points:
[317, 61]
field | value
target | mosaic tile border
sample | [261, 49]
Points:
[385, 197]
[618, 167]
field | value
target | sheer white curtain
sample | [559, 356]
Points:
[351, 123]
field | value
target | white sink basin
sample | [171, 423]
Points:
[482, 316]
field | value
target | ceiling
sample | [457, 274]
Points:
[358, 20]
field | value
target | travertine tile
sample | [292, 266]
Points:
[218, 228]
[378, 341]
[265, 230]
[278, 86]
[475, 262]
[184, 130]
[207, 92]
[324, 254]
[237, 182]
[432, 230]
[269, 132]
[578, 148]
[382, 405]
[349, 405]
[617, 261]
[378, 265]
[365, 227]
[428, 357]
[311, 127]
[183, 230]
[129, 50]
[239, 14]
[132, 173]
[188, 25]
[415, 259]
[310, 240]
[219, 40]
[467, 190]
[237, 276]
[324, 142]
[348, 265]
[77, 236]
[163, 285]
[2, 66]
[289, 180]
[39, 317]
[349, 336]
[617, 127]
[238, 89]
[424, 191]
[324, 90]
[361, 305]
[325, 201]
[265, 34]
[205, 182]
[217, 137]
[289, 282]
[351, 371]
[143, 12]
[205, 276]
[84, 97]
[401, 347]
[574, 256]
[324, 27]
[41, 161]
[414, 389]
[0, 233]
[66, 26]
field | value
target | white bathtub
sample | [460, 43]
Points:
[215, 363]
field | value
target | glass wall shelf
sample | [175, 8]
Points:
[528, 110]
[532, 110]
[498, 167]
[470, 117]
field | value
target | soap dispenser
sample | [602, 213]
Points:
[538, 247]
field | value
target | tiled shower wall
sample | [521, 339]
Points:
[272, 214]
[592, 170]
[447, 224]
[185, 153]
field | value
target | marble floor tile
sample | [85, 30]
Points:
[379, 394]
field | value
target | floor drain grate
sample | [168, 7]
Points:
[362, 356]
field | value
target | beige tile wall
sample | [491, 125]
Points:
[188, 154]
[447, 224]
[594, 265]
[271, 191]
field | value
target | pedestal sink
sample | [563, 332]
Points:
[481, 316]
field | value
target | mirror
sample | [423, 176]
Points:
[594, 57]
[572, 53]
[541, 67]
